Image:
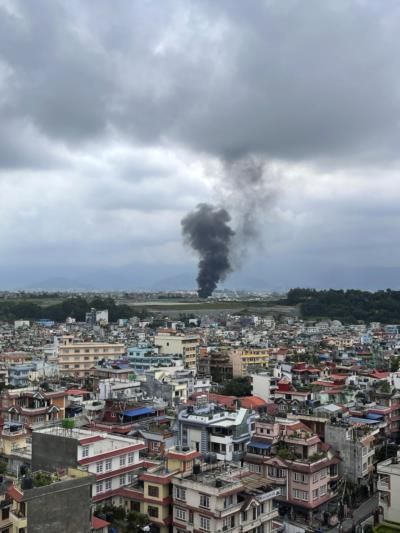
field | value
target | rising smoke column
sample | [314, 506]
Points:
[207, 231]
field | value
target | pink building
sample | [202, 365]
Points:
[290, 456]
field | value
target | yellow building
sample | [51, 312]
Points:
[171, 342]
[154, 497]
[248, 360]
[78, 358]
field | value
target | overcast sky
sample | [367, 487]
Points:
[117, 118]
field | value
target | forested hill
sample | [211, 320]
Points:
[75, 307]
[348, 306]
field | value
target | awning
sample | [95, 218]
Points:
[139, 411]
[261, 445]
[374, 416]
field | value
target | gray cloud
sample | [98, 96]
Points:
[89, 91]
[286, 79]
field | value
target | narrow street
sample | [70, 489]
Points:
[365, 510]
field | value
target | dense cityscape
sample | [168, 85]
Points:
[199, 266]
[220, 421]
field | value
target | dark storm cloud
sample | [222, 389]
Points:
[88, 89]
[288, 79]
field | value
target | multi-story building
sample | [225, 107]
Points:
[78, 358]
[5, 508]
[289, 456]
[221, 368]
[264, 385]
[112, 459]
[248, 360]
[355, 441]
[211, 429]
[218, 500]
[18, 374]
[389, 489]
[171, 342]
[60, 503]
[32, 407]
[146, 357]
[151, 492]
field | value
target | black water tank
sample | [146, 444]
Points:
[196, 469]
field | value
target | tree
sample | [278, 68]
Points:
[238, 387]
[394, 364]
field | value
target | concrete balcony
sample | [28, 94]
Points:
[222, 513]
[265, 517]
[383, 485]
[18, 520]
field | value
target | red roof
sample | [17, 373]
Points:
[98, 523]
[252, 402]
[88, 440]
[15, 494]
[76, 392]
[380, 375]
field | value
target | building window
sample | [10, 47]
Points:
[85, 451]
[108, 464]
[300, 495]
[153, 491]
[255, 468]
[315, 477]
[99, 467]
[323, 473]
[204, 523]
[315, 494]
[204, 501]
[152, 511]
[180, 514]
[99, 487]
[108, 484]
[322, 490]
[301, 478]
[5, 513]
[180, 493]
[131, 458]
[122, 460]
[122, 480]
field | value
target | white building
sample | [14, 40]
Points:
[389, 488]
[210, 429]
[113, 460]
[215, 501]
[264, 385]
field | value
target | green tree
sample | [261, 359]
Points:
[238, 387]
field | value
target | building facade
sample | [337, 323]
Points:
[78, 358]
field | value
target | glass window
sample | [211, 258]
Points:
[204, 523]
[204, 501]
[152, 511]
[180, 514]
[180, 493]
[99, 467]
[99, 487]
[108, 464]
[153, 491]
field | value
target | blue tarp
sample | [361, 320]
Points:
[374, 416]
[139, 411]
[260, 445]
[356, 420]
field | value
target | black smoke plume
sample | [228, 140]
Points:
[207, 231]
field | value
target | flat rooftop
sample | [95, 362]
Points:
[84, 436]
